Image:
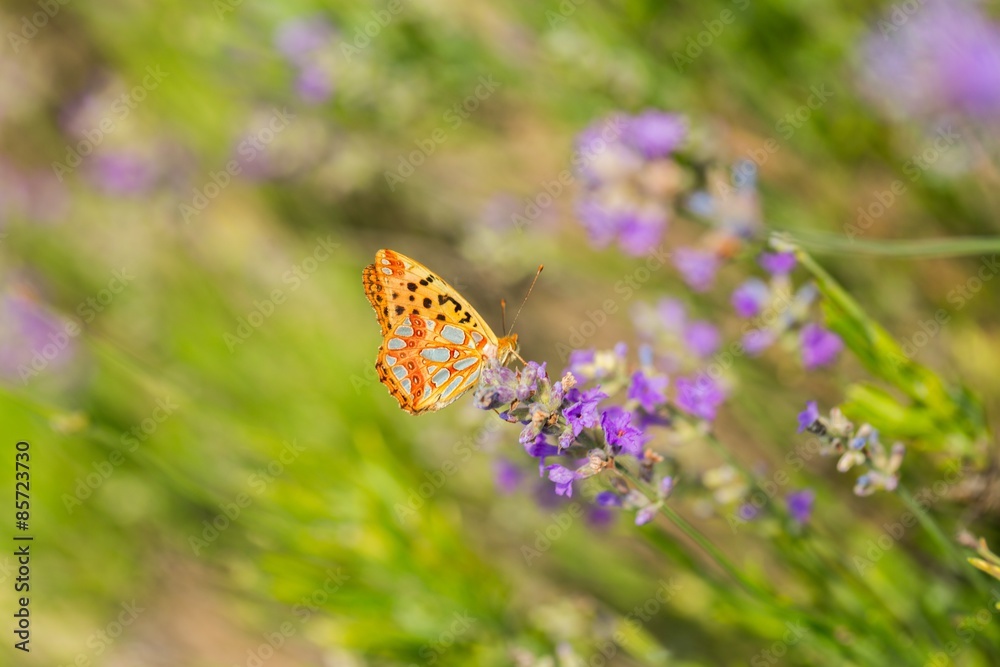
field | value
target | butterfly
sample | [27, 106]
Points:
[434, 343]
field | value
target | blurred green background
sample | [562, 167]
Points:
[217, 474]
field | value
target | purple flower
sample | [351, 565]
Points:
[600, 517]
[300, 38]
[800, 504]
[702, 338]
[640, 231]
[601, 156]
[672, 313]
[946, 57]
[777, 263]
[32, 339]
[580, 412]
[756, 341]
[528, 381]
[122, 173]
[608, 499]
[563, 478]
[313, 84]
[666, 486]
[656, 134]
[697, 267]
[750, 297]
[819, 346]
[601, 224]
[620, 433]
[645, 515]
[747, 512]
[497, 387]
[581, 361]
[648, 390]
[508, 476]
[808, 416]
[700, 396]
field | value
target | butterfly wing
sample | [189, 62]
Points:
[397, 286]
[427, 363]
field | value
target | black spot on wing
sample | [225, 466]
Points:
[427, 301]
[441, 317]
[466, 318]
[399, 310]
[411, 286]
[444, 298]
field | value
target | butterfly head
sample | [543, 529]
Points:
[507, 348]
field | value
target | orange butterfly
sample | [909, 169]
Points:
[434, 343]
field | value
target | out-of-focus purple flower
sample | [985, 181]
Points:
[750, 297]
[608, 499]
[508, 476]
[563, 479]
[300, 38]
[645, 515]
[800, 504]
[946, 57]
[314, 84]
[756, 341]
[600, 223]
[777, 263]
[620, 433]
[672, 313]
[808, 416]
[648, 390]
[819, 346]
[700, 396]
[600, 517]
[666, 486]
[580, 362]
[497, 387]
[601, 155]
[702, 338]
[656, 134]
[697, 267]
[121, 173]
[640, 231]
[31, 338]
[747, 512]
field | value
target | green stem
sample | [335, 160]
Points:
[824, 243]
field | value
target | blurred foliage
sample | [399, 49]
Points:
[260, 518]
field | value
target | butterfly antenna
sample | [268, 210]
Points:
[530, 287]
